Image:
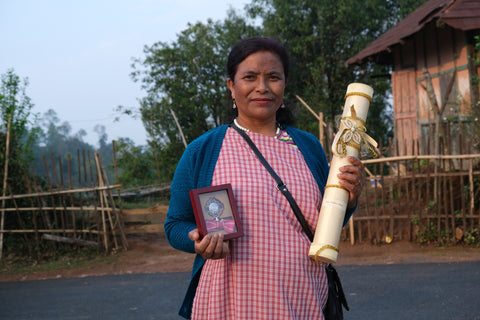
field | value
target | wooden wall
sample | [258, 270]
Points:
[444, 53]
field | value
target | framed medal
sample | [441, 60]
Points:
[216, 211]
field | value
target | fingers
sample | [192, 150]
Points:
[352, 178]
[211, 246]
[194, 235]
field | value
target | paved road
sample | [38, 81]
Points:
[395, 292]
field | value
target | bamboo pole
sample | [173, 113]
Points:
[50, 188]
[45, 217]
[33, 208]
[416, 166]
[179, 128]
[470, 180]
[367, 206]
[73, 240]
[73, 215]
[62, 192]
[408, 201]
[154, 146]
[377, 223]
[104, 180]
[51, 231]
[85, 174]
[426, 157]
[94, 194]
[5, 175]
[118, 215]
[22, 225]
[116, 175]
[319, 117]
[34, 215]
[59, 187]
[79, 168]
[452, 207]
[102, 206]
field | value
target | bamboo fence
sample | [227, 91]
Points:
[85, 215]
[418, 196]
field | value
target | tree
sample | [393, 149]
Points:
[475, 126]
[16, 106]
[135, 164]
[15, 116]
[187, 76]
[56, 138]
[321, 36]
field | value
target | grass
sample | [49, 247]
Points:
[142, 204]
[83, 258]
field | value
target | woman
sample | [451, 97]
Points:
[266, 273]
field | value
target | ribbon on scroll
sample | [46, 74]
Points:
[348, 142]
[352, 133]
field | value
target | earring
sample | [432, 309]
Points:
[234, 106]
[283, 106]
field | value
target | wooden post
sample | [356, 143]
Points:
[321, 125]
[470, 180]
[319, 117]
[117, 181]
[154, 146]
[352, 231]
[377, 222]
[5, 175]
[179, 128]
[103, 204]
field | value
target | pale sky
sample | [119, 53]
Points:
[77, 55]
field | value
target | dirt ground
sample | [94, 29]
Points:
[150, 253]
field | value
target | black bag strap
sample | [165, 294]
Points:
[333, 278]
[282, 187]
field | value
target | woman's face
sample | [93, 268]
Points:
[258, 87]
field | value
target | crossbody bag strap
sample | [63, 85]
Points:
[282, 187]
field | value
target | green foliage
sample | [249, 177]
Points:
[188, 75]
[56, 143]
[62, 257]
[475, 123]
[188, 78]
[472, 238]
[321, 36]
[427, 234]
[16, 106]
[135, 164]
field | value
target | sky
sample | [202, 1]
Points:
[77, 55]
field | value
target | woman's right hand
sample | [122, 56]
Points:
[211, 246]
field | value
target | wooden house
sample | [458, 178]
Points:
[434, 76]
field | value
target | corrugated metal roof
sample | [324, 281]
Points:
[459, 14]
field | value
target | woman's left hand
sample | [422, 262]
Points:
[352, 178]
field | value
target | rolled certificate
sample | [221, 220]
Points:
[347, 142]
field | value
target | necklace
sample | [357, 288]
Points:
[277, 132]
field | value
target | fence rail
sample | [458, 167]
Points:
[423, 198]
[84, 215]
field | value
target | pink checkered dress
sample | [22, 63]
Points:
[267, 274]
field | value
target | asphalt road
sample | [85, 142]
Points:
[394, 292]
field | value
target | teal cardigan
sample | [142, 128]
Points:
[195, 170]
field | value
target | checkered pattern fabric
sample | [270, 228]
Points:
[268, 274]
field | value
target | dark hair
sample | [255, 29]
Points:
[242, 49]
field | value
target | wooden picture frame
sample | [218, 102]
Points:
[216, 211]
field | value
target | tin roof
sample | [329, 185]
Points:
[459, 14]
